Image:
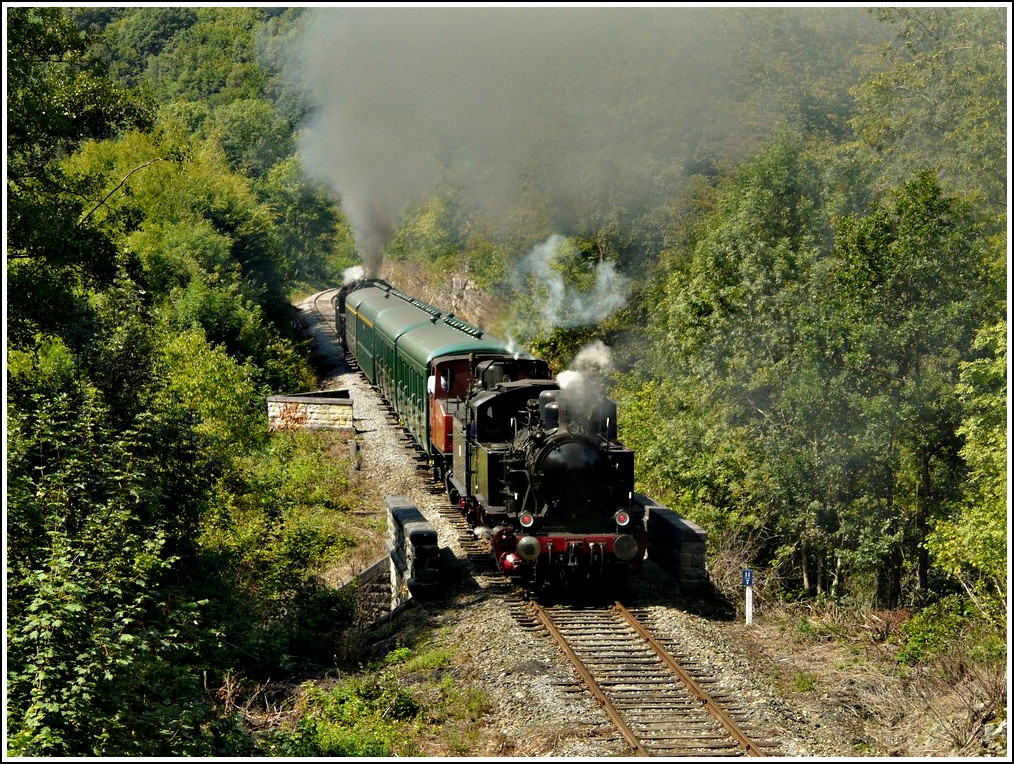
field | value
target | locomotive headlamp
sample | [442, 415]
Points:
[622, 517]
[527, 519]
[625, 547]
[529, 548]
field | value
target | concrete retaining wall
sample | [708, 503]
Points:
[322, 410]
[676, 544]
[414, 552]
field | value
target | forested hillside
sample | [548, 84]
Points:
[801, 275]
[157, 224]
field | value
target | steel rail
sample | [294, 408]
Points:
[589, 680]
[610, 708]
[709, 702]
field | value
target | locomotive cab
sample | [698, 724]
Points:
[452, 378]
[482, 440]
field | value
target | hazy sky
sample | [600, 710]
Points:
[566, 102]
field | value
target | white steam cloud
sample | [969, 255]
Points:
[593, 361]
[582, 381]
[595, 356]
[355, 273]
[565, 307]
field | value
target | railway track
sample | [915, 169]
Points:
[324, 308]
[662, 704]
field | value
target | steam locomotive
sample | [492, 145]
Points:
[532, 462]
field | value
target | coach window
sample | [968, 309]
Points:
[440, 383]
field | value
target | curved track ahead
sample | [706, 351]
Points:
[660, 705]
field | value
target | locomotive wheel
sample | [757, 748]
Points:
[452, 492]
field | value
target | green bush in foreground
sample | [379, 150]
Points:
[358, 717]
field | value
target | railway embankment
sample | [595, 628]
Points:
[816, 697]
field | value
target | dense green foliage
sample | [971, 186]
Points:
[806, 317]
[971, 542]
[94, 537]
[941, 101]
[274, 525]
[818, 380]
[385, 710]
[57, 97]
[152, 244]
[811, 358]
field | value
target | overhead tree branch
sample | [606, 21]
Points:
[117, 188]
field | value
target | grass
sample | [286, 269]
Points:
[404, 704]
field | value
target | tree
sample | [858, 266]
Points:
[104, 488]
[220, 393]
[255, 136]
[796, 66]
[941, 101]
[57, 97]
[206, 253]
[312, 237]
[801, 382]
[101, 640]
[971, 545]
[214, 59]
[907, 289]
[736, 439]
[138, 36]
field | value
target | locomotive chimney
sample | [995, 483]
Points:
[549, 409]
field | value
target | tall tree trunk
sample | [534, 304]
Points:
[836, 581]
[805, 564]
[922, 521]
[894, 595]
[889, 580]
[821, 573]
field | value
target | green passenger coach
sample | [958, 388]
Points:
[533, 463]
[398, 341]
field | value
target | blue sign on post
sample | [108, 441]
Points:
[748, 583]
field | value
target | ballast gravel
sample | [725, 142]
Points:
[793, 692]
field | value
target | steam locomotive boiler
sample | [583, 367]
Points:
[533, 462]
[538, 471]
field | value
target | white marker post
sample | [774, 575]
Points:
[748, 583]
